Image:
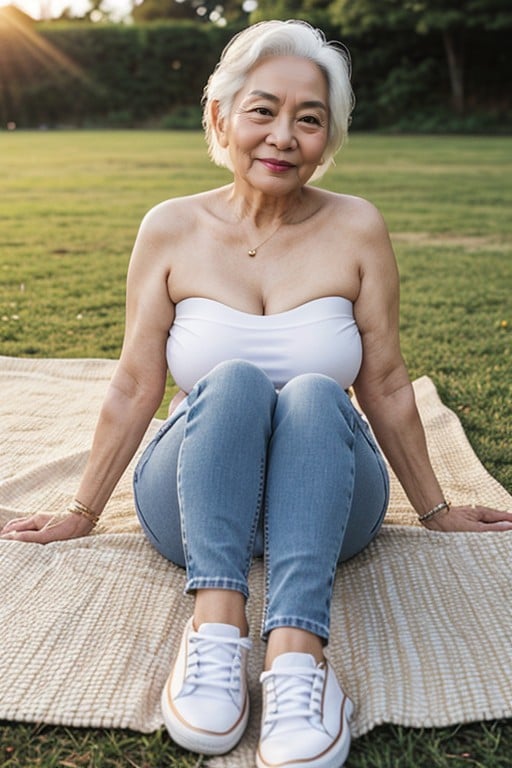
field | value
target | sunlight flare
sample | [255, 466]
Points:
[24, 43]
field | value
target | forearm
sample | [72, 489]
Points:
[121, 425]
[397, 426]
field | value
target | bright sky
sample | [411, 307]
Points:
[118, 10]
[50, 8]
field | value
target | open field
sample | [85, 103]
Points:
[71, 204]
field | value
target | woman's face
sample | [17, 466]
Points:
[278, 128]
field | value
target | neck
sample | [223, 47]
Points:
[264, 211]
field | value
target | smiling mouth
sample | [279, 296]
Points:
[276, 165]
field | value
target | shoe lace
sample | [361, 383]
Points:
[216, 662]
[296, 693]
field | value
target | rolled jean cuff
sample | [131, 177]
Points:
[203, 582]
[321, 630]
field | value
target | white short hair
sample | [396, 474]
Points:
[280, 38]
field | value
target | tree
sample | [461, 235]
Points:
[277, 9]
[314, 11]
[451, 19]
[213, 11]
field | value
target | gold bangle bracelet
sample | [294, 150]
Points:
[443, 505]
[77, 508]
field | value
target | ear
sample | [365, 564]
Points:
[219, 124]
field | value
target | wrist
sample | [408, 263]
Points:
[77, 508]
[442, 507]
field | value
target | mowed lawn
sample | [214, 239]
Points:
[71, 203]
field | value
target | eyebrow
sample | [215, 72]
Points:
[310, 104]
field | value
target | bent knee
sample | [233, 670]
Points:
[238, 371]
[316, 399]
[235, 383]
[315, 387]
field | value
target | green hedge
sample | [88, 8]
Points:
[82, 74]
[114, 75]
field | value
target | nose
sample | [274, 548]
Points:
[282, 135]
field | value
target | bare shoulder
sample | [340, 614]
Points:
[175, 217]
[358, 231]
[357, 214]
[165, 236]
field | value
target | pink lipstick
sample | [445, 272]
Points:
[276, 166]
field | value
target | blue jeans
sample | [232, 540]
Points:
[240, 470]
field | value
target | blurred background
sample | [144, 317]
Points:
[428, 66]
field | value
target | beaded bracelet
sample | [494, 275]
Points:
[434, 511]
[77, 508]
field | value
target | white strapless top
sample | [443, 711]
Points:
[320, 336]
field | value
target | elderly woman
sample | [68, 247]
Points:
[267, 299]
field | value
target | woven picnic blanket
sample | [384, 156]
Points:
[421, 621]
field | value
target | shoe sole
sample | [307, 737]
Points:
[197, 740]
[335, 757]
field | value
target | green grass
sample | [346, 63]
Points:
[486, 745]
[71, 204]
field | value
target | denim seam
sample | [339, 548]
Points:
[141, 516]
[180, 500]
[385, 482]
[192, 399]
[146, 455]
[139, 469]
[217, 582]
[364, 429]
[297, 622]
[349, 507]
[254, 527]
[266, 568]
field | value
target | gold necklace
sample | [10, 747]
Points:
[253, 251]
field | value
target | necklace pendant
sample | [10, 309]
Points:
[251, 252]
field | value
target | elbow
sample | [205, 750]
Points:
[131, 398]
[388, 397]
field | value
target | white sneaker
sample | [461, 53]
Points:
[305, 721]
[205, 702]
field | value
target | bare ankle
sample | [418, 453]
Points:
[286, 639]
[220, 606]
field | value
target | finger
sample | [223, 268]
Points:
[11, 524]
[28, 536]
[488, 515]
[55, 528]
[6, 535]
[31, 536]
[32, 523]
[500, 525]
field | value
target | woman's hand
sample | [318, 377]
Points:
[41, 528]
[471, 518]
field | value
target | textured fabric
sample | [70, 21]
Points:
[88, 627]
